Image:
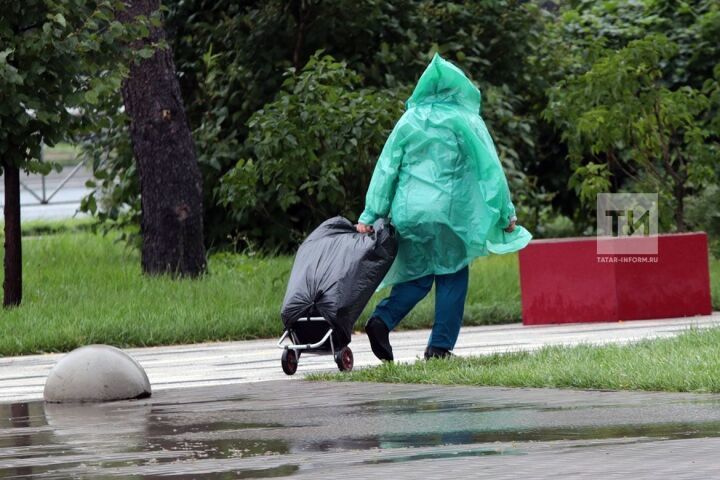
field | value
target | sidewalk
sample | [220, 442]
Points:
[63, 204]
[211, 364]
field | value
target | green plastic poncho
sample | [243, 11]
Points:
[440, 181]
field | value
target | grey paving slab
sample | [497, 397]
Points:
[225, 363]
[290, 429]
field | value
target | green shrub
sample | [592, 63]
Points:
[313, 149]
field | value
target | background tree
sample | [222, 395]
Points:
[302, 141]
[233, 59]
[590, 41]
[621, 112]
[55, 58]
[170, 183]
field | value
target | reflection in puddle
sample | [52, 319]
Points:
[446, 455]
[411, 406]
[274, 472]
[669, 431]
[54, 440]
[19, 418]
[665, 431]
[227, 439]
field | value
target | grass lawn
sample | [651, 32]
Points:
[63, 154]
[687, 363]
[82, 288]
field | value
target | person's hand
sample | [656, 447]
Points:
[362, 228]
[510, 227]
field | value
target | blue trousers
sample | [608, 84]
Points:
[450, 293]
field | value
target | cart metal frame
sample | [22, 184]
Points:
[311, 347]
[291, 351]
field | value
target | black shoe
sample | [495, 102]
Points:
[435, 352]
[379, 336]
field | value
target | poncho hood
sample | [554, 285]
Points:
[443, 82]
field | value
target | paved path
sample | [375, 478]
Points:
[23, 378]
[308, 430]
[64, 203]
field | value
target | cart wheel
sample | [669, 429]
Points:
[344, 359]
[289, 361]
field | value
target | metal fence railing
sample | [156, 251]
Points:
[42, 195]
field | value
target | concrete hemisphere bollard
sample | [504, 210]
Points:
[96, 373]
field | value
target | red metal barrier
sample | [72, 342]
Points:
[566, 281]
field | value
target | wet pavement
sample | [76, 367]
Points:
[224, 363]
[300, 429]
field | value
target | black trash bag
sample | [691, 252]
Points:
[335, 273]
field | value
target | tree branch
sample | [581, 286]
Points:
[665, 146]
[648, 163]
[25, 29]
[614, 160]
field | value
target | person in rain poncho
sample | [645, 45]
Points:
[440, 181]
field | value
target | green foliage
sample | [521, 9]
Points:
[588, 30]
[56, 60]
[692, 26]
[233, 57]
[590, 180]
[313, 149]
[225, 81]
[622, 115]
[703, 214]
[115, 198]
[557, 226]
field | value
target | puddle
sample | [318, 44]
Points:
[268, 435]
[669, 431]
[430, 405]
[444, 455]
[229, 448]
[22, 415]
[274, 472]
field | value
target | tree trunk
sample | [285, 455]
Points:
[12, 284]
[679, 193]
[170, 181]
[298, 13]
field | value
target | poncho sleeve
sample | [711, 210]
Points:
[492, 176]
[507, 213]
[384, 179]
